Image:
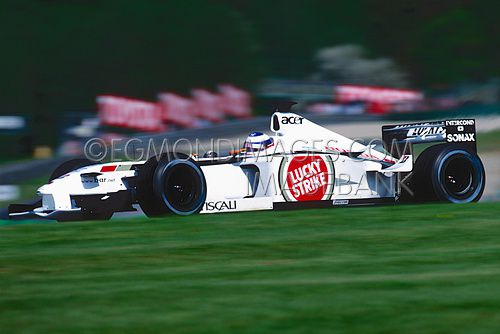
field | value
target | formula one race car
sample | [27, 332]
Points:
[301, 165]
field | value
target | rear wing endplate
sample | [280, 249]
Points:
[399, 139]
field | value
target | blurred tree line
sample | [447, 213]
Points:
[57, 55]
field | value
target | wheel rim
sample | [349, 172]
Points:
[459, 177]
[182, 187]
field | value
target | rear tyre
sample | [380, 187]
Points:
[448, 173]
[171, 186]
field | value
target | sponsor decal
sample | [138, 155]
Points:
[455, 122]
[220, 205]
[307, 178]
[96, 180]
[426, 131]
[291, 120]
[460, 130]
[108, 168]
[340, 202]
[414, 125]
[404, 158]
[419, 131]
[122, 168]
[460, 137]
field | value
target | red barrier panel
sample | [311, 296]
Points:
[178, 110]
[379, 99]
[349, 93]
[130, 113]
[174, 109]
[235, 102]
[208, 105]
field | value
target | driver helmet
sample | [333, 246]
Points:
[258, 141]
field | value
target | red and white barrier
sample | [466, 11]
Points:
[349, 93]
[379, 99]
[235, 102]
[174, 109]
[130, 113]
[178, 110]
[208, 105]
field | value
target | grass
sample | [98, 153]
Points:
[405, 269]
[7, 159]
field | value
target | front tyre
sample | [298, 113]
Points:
[180, 185]
[448, 173]
[171, 186]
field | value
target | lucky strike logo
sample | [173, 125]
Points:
[307, 178]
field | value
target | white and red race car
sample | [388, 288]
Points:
[301, 165]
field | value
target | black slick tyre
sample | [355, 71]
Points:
[448, 173]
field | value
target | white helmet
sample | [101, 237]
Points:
[258, 141]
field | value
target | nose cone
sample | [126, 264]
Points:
[43, 189]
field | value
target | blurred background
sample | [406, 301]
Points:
[74, 70]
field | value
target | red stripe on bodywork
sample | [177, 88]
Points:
[108, 168]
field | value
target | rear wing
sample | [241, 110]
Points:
[399, 139]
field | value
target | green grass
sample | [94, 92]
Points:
[405, 269]
[7, 159]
